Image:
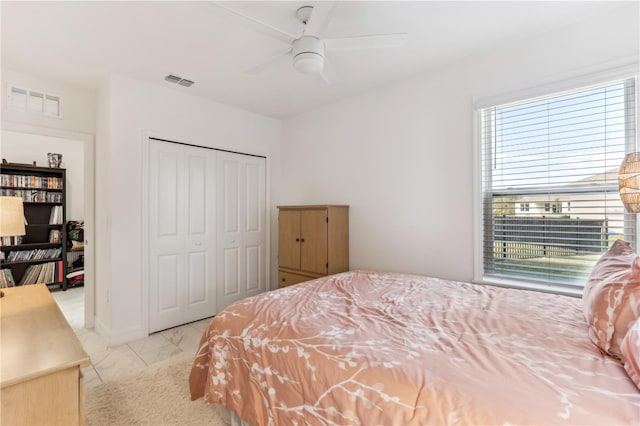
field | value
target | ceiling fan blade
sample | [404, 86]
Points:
[325, 78]
[327, 73]
[256, 24]
[268, 62]
[319, 19]
[376, 41]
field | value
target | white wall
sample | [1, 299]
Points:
[127, 110]
[25, 148]
[401, 156]
[78, 105]
[102, 205]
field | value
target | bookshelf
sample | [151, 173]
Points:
[40, 255]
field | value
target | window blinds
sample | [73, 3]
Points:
[550, 203]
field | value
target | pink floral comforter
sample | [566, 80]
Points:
[394, 349]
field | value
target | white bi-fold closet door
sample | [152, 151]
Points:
[206, 231]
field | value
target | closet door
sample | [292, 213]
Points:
[182, 240]
[241, 229]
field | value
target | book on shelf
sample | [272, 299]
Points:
[47, 273]
[11, 241]
[35, 254]
[33, 196]
[42, 276]
[59, 271]
[54, 236]
[55, 218]
[28, 181]
[6, 279]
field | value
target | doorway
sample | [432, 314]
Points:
[26, 144]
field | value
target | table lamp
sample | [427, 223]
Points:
[629, 182]
[11, 218]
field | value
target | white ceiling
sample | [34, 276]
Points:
[81, 42]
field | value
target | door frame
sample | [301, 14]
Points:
[147, 136]
[89, 205]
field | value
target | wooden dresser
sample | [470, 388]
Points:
[41, 357]
[313, 241]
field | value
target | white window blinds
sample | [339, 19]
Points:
[550, 202]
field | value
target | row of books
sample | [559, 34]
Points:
[55, 237]
[24, 181]
[35, 254]
[47, 273]
[30, 196]
[11, 241]
[6, 279]
[55, 218]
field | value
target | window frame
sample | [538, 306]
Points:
[575, 80]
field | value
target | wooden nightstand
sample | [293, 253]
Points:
[40, 378]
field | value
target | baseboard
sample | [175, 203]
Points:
[100, 328]
[115, 338]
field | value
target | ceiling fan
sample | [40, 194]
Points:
[306, 45]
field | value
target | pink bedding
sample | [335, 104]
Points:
[394, 349]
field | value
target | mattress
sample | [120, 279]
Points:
[369, 347]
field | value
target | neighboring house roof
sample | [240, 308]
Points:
[609, 175]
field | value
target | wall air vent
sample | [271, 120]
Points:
[33, 101]
[172, 78]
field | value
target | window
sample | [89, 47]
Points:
[524, 207]
[563, 149]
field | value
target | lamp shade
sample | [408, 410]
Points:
[11, 217]
[629, 182]
[308, 63]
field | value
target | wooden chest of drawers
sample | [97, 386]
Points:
[313, 241]
[40, 376]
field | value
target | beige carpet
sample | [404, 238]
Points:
[157, 396]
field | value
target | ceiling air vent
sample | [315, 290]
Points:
[172, 78]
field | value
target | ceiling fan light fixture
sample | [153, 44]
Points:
[308, 55]
[308, 63]
[308, 48]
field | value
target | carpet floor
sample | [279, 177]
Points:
[157, 396]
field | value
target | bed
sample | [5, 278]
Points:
[367, 347]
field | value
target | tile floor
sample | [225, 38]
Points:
[108, 363]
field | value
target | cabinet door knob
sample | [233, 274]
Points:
[302, 240]
[284, 279]
[297, 240]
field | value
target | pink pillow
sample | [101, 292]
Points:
[611, 297]
[630, 349]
